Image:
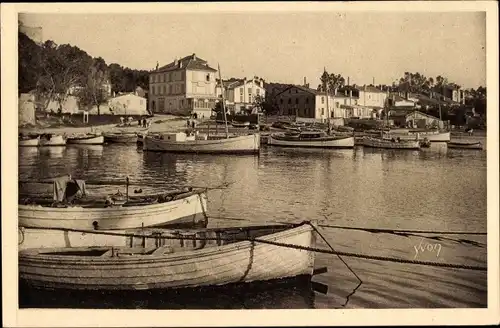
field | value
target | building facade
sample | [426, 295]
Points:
[310, 105]
[183, 87]
[241, 94]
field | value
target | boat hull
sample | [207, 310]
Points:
[241, 261]
[458, 145]
[347, 142]
[247, 144]
[122, 139]
[388, 144]
[29, 142]
[97, 140]
[430, 136]
[187, 210]
[54, 141]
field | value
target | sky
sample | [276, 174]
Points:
[286, 46]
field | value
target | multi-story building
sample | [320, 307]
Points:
[241, 94]
[310, 105]
[183, 87]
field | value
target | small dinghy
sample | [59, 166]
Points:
[393, 143]
[465, 145]
[237, 124]
[121, 138]
[52, 140]
[29, 140]
[176, 259]
[86, 139]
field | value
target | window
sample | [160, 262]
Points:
[322, 100]
[290, 91]
[296, 101]
[249, 98]
[249, 91]
[140, 102]
[170, 89]
[207, 78]
[164, 90]
[241, 91]
[258, 92]
[289, 101]
[322, 111]
[183, 90]
[296, 91]
[307, 100]
[281, 101]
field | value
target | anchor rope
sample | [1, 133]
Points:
[341, 259]
[305, 248]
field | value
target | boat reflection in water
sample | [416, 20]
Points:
[53, 152]
[294, 293]
[87, 150]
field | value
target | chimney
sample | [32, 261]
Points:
[194, 56]
[180, 64]
[348, 80]
[175, 62]
[305, 82]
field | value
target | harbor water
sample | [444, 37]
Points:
[436, 189]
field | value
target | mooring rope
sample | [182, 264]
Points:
[396, 232]
[347, 265]
[305, 248]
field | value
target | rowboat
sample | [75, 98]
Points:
[465, 145]
[70, 207]
[220, 256]
[29, 141]
[180, 142]
[311, 139]
[52, 140]
[240, 124]
[124, 138]
[86, 139]
[390, 144]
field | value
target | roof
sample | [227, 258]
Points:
[406, 112]
[189, 62]
[305, 89]
[369, 88]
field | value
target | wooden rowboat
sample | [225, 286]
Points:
[220, 256]
[390, 144]
[86, 139]
[311, 139]
[52, 140]
[29, 141]
[465, 145]
[122, 138]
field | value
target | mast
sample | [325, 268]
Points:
[223, 102]
[327, 105]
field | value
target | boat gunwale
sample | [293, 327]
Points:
[40, 254]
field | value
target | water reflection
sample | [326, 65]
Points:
[52, 152]
[87, 150]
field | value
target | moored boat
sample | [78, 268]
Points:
[390, 143]
[240, 124]
[51, 140]
[311, 139]
[86, 139]
[219, 257]
[180, 142]
[430, 135]
[123, 138]
[29, 141]
[465, 145]
[71, 207]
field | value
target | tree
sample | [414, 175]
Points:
[93, 92]
[332, 81]
[62, 68]
[29, 66]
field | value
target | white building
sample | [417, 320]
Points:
[185, 86]
[241, 94]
